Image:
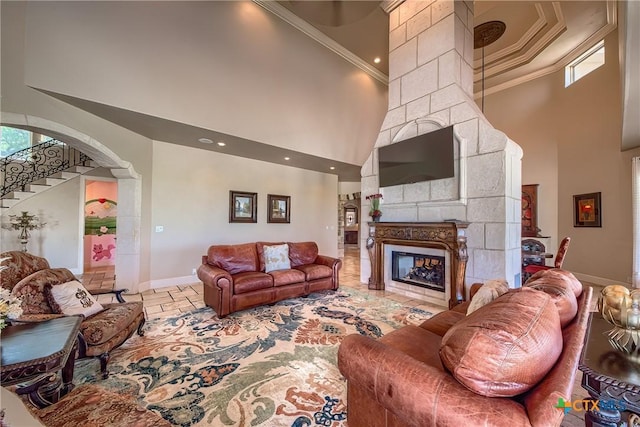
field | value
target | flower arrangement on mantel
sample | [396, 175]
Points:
[10, 306]
[374, 212]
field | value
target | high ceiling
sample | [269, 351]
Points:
[541, 37]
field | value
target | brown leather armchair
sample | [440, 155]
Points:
[27, 275]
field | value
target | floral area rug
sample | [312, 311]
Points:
[273, 365]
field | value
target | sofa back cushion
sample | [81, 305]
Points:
[505, 347]
[234, 258]
[302, 253]
[562, 296]
[18, 265]
[560, 277]
[31, 289]
[260, 248]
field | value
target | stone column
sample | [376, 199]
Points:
[430, 87]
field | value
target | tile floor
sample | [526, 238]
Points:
[180, 299]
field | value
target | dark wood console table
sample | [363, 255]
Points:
[32, 350]
[610, 376]
[447, 235]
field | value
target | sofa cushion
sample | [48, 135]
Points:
[251, 281]
[31, 289]
[287, 277]
[302, 253]
[563, 297]
[234, 258]
[440, 323]
[276, 258]
[491, 290]
[315, 271]
[71, 298]
[506, 347]
[110, 322]
[260, 249]
[90, 405]
[560, 277]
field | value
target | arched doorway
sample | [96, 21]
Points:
[129, 191]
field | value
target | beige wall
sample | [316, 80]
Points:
[232, 67]
[191, 201]
[571, 142]
[194, 211]
[21, 99]
[59, 240]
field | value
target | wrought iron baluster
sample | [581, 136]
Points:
[40, 161]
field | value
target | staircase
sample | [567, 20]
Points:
[41, 167]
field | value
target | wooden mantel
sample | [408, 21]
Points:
[447, 235]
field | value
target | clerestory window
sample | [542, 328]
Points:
[584, 64]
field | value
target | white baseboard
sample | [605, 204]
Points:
[600, 281]
[173, 281]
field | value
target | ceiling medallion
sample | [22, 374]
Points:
[487, 33]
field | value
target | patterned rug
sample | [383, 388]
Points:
[273, 365]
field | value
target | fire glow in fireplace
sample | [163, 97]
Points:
[427, 271]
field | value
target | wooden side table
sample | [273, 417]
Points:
[34, 349]
[610, 376]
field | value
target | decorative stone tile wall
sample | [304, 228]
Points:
[431, 87]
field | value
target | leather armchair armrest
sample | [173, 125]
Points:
[328, 261]
[212, 275]
[417, 393]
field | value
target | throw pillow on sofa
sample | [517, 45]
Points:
[491, 290]
[276, 258]
[559, 275]
[506, 347]
[561, 294]
[71, 298]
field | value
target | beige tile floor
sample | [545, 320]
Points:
[180, 299]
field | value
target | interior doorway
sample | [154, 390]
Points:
[100, 225]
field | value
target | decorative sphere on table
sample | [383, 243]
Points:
[620, 306]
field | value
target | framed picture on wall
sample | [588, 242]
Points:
[279, 209]
[530, 210]
[587, 211]
[243, 207]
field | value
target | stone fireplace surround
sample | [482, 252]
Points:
[448, 237]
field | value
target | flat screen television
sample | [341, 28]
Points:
[424, 157]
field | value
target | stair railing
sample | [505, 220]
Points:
[40, 161]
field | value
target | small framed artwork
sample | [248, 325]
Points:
[279, 209]
[586, 210]
[243, 207]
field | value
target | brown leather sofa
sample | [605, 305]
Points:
[234, 276]
[505, 364]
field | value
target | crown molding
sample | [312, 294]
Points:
[540, 23]
[529, 54]
[308, 29]
[389, 5]
[612, 24]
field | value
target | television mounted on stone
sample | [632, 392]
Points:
[425, 157]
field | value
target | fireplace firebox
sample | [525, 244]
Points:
[426, 271]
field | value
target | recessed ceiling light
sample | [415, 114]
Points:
[376, 60]
[222, 144]
[332, 167]
[205, 141]
[287, 158]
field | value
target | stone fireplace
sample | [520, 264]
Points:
[431, 75]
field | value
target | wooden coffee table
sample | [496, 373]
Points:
[32, 350]
[610, 376]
